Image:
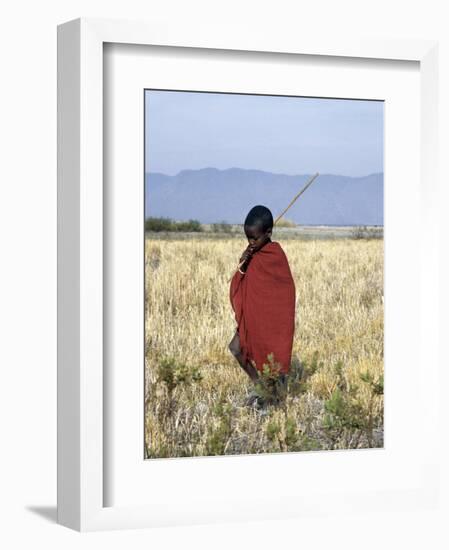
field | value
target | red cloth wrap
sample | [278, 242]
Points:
[263, 301]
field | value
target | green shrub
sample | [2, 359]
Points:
[173, 374]
[364, 232]
[219, 431]
[271, 387]
[221, 227]
[272, 430]
[284, 222]
[344, 413]
[191, 225]
[158, 224]
[167, 224]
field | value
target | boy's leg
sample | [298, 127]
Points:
[234, 348]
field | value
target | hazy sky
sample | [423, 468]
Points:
[287, 135]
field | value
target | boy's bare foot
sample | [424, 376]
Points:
[255, 400]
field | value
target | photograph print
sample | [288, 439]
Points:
[264, 269]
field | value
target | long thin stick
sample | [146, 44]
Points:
[308, 184]
[311, 180]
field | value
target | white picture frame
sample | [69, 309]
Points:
[81, 398]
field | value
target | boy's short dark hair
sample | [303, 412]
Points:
[260, 215]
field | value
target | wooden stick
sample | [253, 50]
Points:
[308, 184]
[312, 179]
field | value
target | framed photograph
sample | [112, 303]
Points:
[246, 251]
[308, 313]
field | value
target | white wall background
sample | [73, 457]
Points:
[28, 266]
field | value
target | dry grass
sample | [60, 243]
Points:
[195, 390]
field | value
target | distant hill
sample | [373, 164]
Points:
[211, 195]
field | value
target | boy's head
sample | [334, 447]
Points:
[258, 226]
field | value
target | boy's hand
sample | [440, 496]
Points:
[247, 254]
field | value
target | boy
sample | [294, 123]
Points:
[262, 295]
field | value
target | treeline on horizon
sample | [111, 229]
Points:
[165, 224]
[168, 224]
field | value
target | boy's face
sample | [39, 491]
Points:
[256, 236]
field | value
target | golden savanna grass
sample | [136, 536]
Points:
[195, 389]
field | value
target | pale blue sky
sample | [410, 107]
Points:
[287, 135]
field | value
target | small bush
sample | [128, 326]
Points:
[344, 413]
[191, 225]
[220, 431]
[364, 232]
[359, 232]
[173, 374]
[301, 372]
[222, 227]
[271, 386]
[167, 224]
[284, 222]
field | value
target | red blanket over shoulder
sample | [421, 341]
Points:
[263, 301]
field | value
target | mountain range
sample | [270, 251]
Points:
[211, 195]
